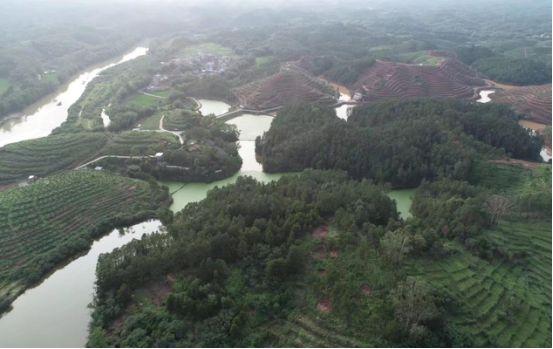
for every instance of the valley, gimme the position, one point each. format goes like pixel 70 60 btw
pixel 369 177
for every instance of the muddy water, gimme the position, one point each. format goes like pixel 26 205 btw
pixel 209 106
pixel 39 120
pixel 55 313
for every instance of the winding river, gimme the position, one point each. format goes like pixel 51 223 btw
pixel 41 119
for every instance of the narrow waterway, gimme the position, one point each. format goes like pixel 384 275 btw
pixel 250 126
pixel 56 313
pixel 39 120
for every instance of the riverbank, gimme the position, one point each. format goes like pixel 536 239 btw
pixel 56 312
pixel 40 119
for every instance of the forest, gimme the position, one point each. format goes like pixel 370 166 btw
pixel 320 259
pixel 401 143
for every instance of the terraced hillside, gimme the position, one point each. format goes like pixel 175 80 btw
pixel 48 155
pixel 43 156
pixel 447 79
pixel 54 219
pixel 532 101
pixel 501 303
pixel 291 84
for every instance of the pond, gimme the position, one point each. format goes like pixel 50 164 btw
pixel 209 106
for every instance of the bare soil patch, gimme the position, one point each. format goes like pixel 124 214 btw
pixel 325 306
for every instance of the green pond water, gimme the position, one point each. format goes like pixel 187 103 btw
pixel 251 126
pixel 403 198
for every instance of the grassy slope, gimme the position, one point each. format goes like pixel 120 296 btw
pixel 56 218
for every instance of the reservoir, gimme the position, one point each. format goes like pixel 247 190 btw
pixel 209 106
pixel 40 121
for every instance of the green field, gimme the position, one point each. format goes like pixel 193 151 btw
pixel 140 143
pixel 420 57
pixel 207 48
pixel 178 119
pixel 142 101
pixel 4 85
pixel 48 155
pixel 55 218
pixel 151 122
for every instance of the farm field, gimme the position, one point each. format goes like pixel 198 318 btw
pixel 448 78
pixel 500 303
pixel 56 218
pixel 142 101
pixel 45 156
pixel 532 101
pixel 291 84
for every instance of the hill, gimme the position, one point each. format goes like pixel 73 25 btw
pixel 63 151
pixel 448 78
pixel 401 143
pixel 292 84
pixel 532 101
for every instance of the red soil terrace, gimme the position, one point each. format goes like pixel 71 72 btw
pixel 291 84
pixel 448 79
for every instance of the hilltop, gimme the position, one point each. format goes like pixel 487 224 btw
pixel 447 78
pixel 291 84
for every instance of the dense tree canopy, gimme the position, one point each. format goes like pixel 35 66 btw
pixel 397 142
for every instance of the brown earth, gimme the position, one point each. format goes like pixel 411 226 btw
pixel 448 79
pixel 292 84
pixel 516 162
pixel 320 233
pixel 325 306
pixel 532 101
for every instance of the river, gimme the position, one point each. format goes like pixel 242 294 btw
pixel 56 313
pixel 41 119
pixel 250 126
